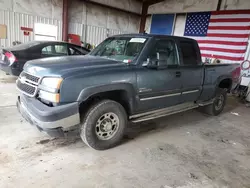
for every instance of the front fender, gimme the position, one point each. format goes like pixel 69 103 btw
pixel 86 93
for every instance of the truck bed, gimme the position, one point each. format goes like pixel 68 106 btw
pixel 213 73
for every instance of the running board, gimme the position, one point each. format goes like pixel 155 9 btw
pixel 165 111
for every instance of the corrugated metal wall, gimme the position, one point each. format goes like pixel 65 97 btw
pixel 14 21
pixel 92 34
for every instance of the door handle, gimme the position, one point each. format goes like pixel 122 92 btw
pixel 212 70
pixel 178 74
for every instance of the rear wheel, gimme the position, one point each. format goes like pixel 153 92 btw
pixel 218 104
pixel 103 125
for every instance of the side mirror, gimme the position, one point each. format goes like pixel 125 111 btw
pixel 150 64
pixel 162 60
pixel 159 63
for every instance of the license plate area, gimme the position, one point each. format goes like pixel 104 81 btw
pixel 25 114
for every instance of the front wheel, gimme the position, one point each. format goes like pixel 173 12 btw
pixel 104 125
pixel 218 104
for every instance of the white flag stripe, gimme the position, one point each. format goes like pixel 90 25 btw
pixel 229 24
pixel 220 39
pixel 221 53
pixel 233 47
pixel 229 61
pixel 223 60
pixel 228 31
pixel 229 16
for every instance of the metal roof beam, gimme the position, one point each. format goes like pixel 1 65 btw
pixel 152 2
pixel 110 7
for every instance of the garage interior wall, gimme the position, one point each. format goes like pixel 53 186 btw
pixel 181 8
pixel 22 13
pixel 185 6
pixel 103 22
pixel 92 22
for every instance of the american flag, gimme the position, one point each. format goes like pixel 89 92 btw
pixel 220 34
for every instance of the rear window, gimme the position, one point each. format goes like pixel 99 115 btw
pixel 189 53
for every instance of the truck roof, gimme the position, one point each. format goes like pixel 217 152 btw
pixel 146 35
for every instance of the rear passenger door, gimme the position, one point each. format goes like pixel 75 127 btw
pixel 191 69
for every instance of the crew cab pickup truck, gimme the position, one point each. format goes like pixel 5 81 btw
pixel 133 77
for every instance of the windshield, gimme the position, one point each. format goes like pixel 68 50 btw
pixel 124 49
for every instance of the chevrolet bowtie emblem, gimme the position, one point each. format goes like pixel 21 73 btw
pixel 23 79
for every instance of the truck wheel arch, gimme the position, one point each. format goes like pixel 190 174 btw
pixel 225 83
pixel 126 90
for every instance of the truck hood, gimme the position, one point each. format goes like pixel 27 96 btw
pixel 62 66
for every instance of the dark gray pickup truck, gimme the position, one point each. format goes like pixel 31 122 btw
pixel 135 77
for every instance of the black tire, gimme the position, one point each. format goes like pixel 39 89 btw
pixel 88 127
pixel 215 109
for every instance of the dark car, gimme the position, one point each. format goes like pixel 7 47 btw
pixel 126 78
pixel 12 59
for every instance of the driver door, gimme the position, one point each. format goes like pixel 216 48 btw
pixel 160 88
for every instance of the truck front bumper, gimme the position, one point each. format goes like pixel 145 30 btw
pixel 52 120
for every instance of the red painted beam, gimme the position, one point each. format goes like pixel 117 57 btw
pixel 144 13
pixel 65 22
pixel 219 5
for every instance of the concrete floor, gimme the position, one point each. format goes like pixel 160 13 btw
pixel 187 150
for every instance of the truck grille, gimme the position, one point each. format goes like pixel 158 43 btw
pixel 28 89
pixel 30 77
pixel 28 84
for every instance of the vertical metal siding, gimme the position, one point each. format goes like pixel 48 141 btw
pixel 7 18
pixel 95 34
pixel 15 21
pixel 21 20
pixel 78 29
pixel 92 34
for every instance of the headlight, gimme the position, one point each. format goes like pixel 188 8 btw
pixel 52 97
pixel 52 82
pixel 49 89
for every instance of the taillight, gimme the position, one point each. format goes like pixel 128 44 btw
pixel 236 74
pixel 10 57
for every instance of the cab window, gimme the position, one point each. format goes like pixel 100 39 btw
pixel 166 50
pixel 189 54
